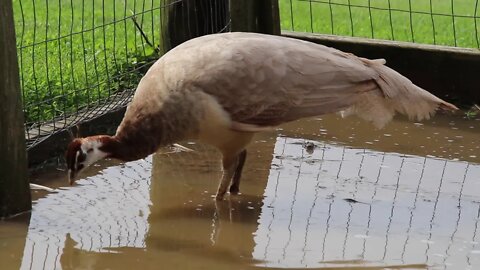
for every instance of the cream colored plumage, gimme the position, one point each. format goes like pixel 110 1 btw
pixel 222 88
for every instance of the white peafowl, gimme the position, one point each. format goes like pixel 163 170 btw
pixel 221 89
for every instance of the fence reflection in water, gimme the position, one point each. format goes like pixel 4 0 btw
pixel 321 203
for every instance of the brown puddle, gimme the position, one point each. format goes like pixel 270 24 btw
pixel 324 193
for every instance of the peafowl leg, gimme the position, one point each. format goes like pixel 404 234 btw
pixel 235 186
pixel 232 172
pixel 229 167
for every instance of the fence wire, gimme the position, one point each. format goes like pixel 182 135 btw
pixel 448 22
pixel 81 59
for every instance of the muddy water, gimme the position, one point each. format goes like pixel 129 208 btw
pixel 318 193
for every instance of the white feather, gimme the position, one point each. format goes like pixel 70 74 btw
pixel 94 155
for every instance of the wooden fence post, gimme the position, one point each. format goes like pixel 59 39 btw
pixel 187 19
pixel 183 20
pixel 261 16
pixel 14 186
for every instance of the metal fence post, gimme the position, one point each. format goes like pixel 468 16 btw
pixel 255 16
pixel 14 187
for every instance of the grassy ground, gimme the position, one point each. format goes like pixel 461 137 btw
pixel 73 53
pixel 354 18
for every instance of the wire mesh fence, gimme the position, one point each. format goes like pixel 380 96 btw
pixel 81 59
pixel 448 22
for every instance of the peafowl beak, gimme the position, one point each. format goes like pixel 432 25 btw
pixel 72 155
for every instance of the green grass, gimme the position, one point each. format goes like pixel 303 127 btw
pixel 338 18
pixel 74 54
